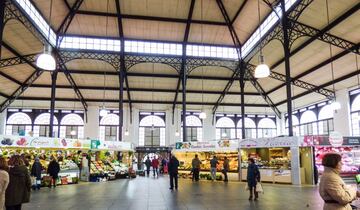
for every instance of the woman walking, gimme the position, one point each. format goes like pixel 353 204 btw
pixel 4 181
pixel 334 192
pixel 19 188
pixel 53 171
pixel 253 177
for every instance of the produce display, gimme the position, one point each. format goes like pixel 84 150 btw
pixel 350 158
pixel 185 159
pixel 276 158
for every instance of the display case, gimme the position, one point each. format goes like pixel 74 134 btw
pixel 350 159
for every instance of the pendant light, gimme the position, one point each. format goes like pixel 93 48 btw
pixel 46 61
pixel 73 132
pixel 103 111
pixel 177 133
pixel 224 134
pixel 262 70
pixel 335 105
pixel 202 113
pixel 126 132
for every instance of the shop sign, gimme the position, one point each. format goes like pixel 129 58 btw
pixel 196 145
pixel 270 142
pixel 115 145
pixel 336 139
pixel 325 141
pixel 95 144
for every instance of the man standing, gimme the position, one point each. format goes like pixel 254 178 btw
pixel 225 169
pixel 213 163
pixel 147 164
pixel 36 169
pixel 173 172
pixel 196 167
pixel 155 165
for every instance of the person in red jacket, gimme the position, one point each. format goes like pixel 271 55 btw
pixel 155 165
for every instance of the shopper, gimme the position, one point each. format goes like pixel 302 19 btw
pixel 163 164
pixel 155 165
pixel 196 168
pixel 173 172
pixel 334 192
pixel 4 181
pixel 19 188
pixel 225 169
pixel 36 174
pixel 253 176
pixel 148 165
pixel 213 164
pixel 53 171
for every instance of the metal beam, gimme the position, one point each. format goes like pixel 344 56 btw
pixel 321 32
pixel 27 83
pixel 151 18
pixel 67 20
pixel 286 45
pixel 52 102
pixel 142 89
pixel 312 69
pixel 10 78
pixel 67 4
pixel 347 76
pixel 137 101
pixel 237 43
pixel 238 11
pixel 2 23
pixel 183 72
pixel 305 30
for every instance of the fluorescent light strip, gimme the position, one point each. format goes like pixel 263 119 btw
pixel 39 21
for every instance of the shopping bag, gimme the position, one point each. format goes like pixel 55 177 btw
pixel 246 187
pixel 33 180
pixel 259 188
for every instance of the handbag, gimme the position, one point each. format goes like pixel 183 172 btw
pixel 259 188
pixel 246 187
pixel 33 180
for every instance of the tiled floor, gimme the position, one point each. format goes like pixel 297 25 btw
pixel 149 193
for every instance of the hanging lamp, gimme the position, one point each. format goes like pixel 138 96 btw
pixel 202 113
pixel 103 111
pixel 262 70
pixel 45 60
pixel 335 105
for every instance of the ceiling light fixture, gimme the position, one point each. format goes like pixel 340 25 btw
pixel 223 134
pixel 335 105
pixel 262 70
pixel 103 111
pixel 202 115
pixel 126 132
pixel 46 61
pixel 177 133
pixel 73 132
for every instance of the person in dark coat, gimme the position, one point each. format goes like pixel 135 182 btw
pixel 19 188
pixel 36 172
pixel 173 166
pixel 53 171
pixel 148 165
pixel 253 176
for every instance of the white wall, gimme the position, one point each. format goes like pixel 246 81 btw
pixel 132 127
pixel 342 122
pixel 2 122
pixel 91 127
pixel 209 129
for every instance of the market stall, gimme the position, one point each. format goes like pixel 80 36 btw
pixel 347 147
pixel 185 152
pixel 110 159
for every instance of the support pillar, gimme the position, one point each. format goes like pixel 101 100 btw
pixel 280 125
pixel 121 105
pixel 184 103
pixel 91 127
pixel 242 86
pixel 295 165
pixel 2 24
pixel 286 45
pixel 52 102
pixel 342 122
pixel 3 122
pixel 209 128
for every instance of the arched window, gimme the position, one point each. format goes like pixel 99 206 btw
pixel 355 116
pixel 152 131
pixel 266 128
pixel 326 124
pixel 296 127
pixel 308 125
pixel 42 125
pixel 250 128
pixel 109 127
pixel 72 126
pixel 18 124
pixel 225 128
pixel 193 128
